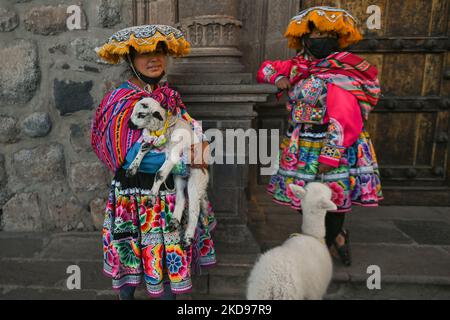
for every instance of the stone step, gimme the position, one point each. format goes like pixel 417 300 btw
pixel 45 293
pixel 226 89
pixel 87 246
pixel 35 279
pixel 217 64
pixel 38 263
pixel 211 78
pixel 367 230
pixel 34 293
pixel 412 266
pixel 428 277
pixel 211 297
pixel 338 290
pixel 389 291
pixel 49 272
pixel 410 245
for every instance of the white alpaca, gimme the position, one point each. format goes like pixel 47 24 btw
pixel 301 268
pixel 177 139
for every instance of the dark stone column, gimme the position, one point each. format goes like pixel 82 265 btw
pixel 213 30
pixel 219 94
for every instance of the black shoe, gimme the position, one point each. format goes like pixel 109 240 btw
pixel 127 293
pixel 344 251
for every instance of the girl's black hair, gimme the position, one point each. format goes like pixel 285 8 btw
pixel 312 26
pixel 133 53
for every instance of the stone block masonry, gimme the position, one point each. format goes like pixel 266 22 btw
pixel 51 81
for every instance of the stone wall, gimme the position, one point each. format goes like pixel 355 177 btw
pixel 50 83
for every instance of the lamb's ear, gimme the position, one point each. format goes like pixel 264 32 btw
pixel 298 191
pixel 131 125
pixel 328 205
pixel 157 115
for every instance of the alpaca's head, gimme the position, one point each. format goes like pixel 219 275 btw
pixel 316 201
pixel 315 196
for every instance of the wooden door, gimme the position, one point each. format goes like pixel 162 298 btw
pixel 410 126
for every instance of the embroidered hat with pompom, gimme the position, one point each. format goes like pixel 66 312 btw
pixel 144 39
pixel 325 19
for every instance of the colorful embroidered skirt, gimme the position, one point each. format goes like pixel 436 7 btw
pixel 137 243
pixel 355 181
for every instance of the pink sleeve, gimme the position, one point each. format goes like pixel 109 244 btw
pixel 271 70
pixel 345 124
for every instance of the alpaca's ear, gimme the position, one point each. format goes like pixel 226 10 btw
pixel 298 191
pixel 328 205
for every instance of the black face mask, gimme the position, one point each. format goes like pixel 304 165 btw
pixel 321 47
pixel 149 80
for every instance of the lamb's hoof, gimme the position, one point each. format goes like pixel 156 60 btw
pixel 154 192
pixel 152 198
pixel 174 224
pixel 158 176
pixel 130 173
pixel 146 147
pixel 186 243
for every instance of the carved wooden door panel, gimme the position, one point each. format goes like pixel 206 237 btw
pixel 410 126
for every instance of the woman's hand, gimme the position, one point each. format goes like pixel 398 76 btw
pixel 283 83
pixel 324 168
pixel 199 155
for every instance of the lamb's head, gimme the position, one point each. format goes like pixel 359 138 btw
pixel 149 114
pixel 314 196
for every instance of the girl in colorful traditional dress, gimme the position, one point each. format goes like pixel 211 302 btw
pixel 137 242
pixel 330 95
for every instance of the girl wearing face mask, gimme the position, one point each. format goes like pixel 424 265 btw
pixel 138 245
pixel 330 95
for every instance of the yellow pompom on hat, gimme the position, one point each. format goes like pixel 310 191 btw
pixel 325 19
pixel 144 39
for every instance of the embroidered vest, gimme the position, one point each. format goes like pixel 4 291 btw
pixel 307 101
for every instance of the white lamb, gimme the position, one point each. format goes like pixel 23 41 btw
pixel 301 268
pixel 177 139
